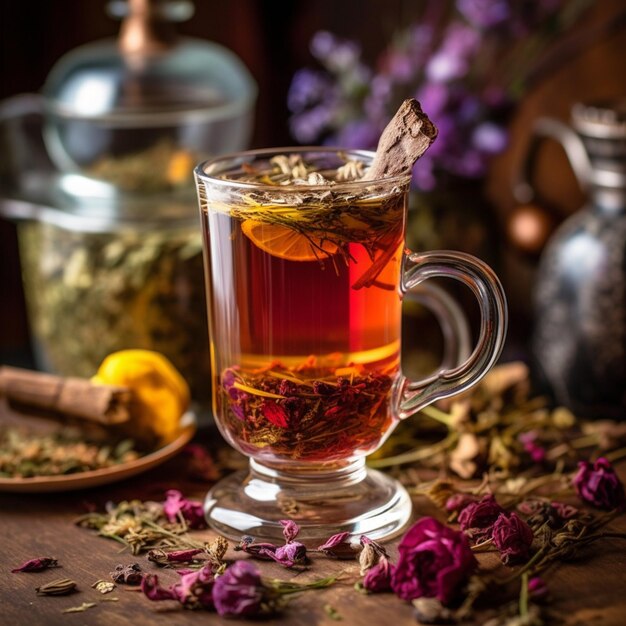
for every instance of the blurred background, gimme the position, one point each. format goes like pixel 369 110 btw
pixel 329 72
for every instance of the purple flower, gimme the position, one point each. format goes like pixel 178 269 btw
pixel 378 578
pixel 36 565
pixel 435 562
pixel 290 529
pixel 360 134
pixel 513 538
pixel 176 506
pixel 599 485
pixel 336 54
pixel 478 518
pixel 452 60
pixel 308 88
pixel 307 126
pixel 489 138
pixel 484 13
pixel 193 590
pixel 338 546
pixel 239 592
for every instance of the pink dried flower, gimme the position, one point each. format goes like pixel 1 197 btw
pixel 239 592
pixel 290 529
pixel 530 442
pixel 193 590
pixel 36 565
pixel 513 538
pixel 338 547
pixel 290 554
pixel 477 518
pixel 176 505
pixel 537 587
pixel 378 578
pixel 564 511
pixel 459 501
pixel 435 562
pixel 599 485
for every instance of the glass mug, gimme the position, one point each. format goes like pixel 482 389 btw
pixel 304 290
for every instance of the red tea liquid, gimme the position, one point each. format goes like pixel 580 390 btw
pixel 305 330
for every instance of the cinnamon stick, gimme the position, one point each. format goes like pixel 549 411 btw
pixel 76 397
pixel 404 140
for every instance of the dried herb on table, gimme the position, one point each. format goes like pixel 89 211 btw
pixel 66 451
pixel 58 587
pixel 103 586
pixel 306 413
pixel 80 609
pixel 144 526
pixel 127 574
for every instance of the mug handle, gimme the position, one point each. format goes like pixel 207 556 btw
pixel 451 319
pixel 412 396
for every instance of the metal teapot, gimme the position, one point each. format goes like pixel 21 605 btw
pixel 579 340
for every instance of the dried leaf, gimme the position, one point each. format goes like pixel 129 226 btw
pixel 80 609
pixel 463 457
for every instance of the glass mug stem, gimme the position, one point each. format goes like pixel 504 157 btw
pixel 412 396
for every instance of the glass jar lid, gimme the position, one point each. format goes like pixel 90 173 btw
pixel 149 75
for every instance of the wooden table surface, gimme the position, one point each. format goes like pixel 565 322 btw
pixel 589 591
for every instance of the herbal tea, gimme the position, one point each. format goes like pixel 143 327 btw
pixel 304 288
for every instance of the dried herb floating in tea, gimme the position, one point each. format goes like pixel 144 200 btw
pixel 308 413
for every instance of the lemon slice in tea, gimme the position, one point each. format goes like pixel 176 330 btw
pixel 286 243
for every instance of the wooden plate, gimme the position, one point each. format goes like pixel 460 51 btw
pixel 93 478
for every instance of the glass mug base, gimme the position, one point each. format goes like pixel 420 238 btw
pixel 322 502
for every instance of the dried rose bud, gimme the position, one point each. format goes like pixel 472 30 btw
pixel 290 554
pixel 260 550
pixel 36 565
pixel 378 578
pixel 290 529
pixel 338 547
pixel 537 587
pixel 161 557
pixel 513 537
pixel 477 518
pixel 599 485
pixel 127 574
pixel 370 555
